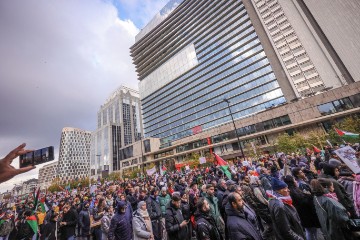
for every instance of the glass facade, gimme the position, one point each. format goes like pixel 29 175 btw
pixel 339 105
pixel 231 63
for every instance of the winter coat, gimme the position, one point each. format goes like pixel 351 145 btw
pixel 239 225
pixel 347 182
pixel 153 207
pixel 220 195
pixel 132 200
pixel 49 231
pixel 304 205
pixel 333 218
pixel 173 220
pixel 71 219
pixel 265 181
pixel 205 227
pixel 6 227
pixel 286 221
pixel 163 203
pixel 84 221
pixel 180 188
pixel 25 231
pixel 215 212
pixel 185 209
pixel 341 193
pixel 139 227
pixel 105 224
pixel 120 228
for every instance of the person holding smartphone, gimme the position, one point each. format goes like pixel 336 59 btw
pixel 176 226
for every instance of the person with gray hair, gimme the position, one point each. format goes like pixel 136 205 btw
pixel 141 222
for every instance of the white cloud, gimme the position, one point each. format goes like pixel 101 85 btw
pixel 59 61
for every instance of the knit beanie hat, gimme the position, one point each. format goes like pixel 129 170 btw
pixel 276 184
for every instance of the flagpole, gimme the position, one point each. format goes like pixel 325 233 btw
pixel 237 135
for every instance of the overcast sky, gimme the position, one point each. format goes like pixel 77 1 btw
pixel 59 61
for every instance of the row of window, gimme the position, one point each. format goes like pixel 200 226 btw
pixel 340 105
pixel 258 127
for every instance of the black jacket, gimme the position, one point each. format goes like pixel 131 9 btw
pixel 286 221
pixel 133 201
pixel 71 219
pixel 185 209
pixel 206 227
pixel 154 209
pixel 304 205
pixel 84 220
pixel 173 220
pixel 120 228
pixel 240 226
pixel 341 193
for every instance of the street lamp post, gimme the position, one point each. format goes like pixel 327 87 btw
pixel 237 135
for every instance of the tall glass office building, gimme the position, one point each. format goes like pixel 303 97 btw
pixel 191 56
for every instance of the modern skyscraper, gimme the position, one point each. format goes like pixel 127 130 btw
pixel 191 56
pixel 74 154
pixel 258 54
pixel 119 124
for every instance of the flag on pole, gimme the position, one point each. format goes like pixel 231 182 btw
pixel 329 143
pixel 36 199
pixel 345 134
pixel 44 207
pixel 32 221
pixel 163 170
pixel 223 165
pixel 151 171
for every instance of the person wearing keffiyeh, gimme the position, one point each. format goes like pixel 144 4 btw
pixel 286 221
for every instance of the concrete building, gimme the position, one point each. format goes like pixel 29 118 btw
pixel 119 125
pixel 267 57
pixel 47 174
pixel 25 187
pixel 74 154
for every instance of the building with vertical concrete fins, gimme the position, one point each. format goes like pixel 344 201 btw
pixel 74 154
pixel 284 65
pixel 119 124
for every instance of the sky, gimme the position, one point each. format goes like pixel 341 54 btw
pixel 59 61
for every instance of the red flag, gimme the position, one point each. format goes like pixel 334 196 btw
pixel 316 150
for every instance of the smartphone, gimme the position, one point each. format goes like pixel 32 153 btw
pixel 36 157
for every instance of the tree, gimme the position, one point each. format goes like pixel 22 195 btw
pixel 286 144
pixel 317 139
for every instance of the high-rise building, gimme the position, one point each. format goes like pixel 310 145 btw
pixel 74 154
pixel 277 62
pixel 47 174
pixel 308 58
pixel 119 124
pixel 191 56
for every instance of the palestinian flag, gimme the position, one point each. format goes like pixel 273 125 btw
pixel 345 134
pixel 223 165
pixel 36 199
pixel 32 221
pixel 44 207
pixel 163 170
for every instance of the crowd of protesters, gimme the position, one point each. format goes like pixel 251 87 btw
pixel 311 196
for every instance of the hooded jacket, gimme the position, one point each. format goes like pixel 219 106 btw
pixel 239 225
pixel 120 227
pixel 139 227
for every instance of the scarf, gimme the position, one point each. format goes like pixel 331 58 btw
pixel 285 199
pixel 146 218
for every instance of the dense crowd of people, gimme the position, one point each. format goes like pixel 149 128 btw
pixel 312 196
